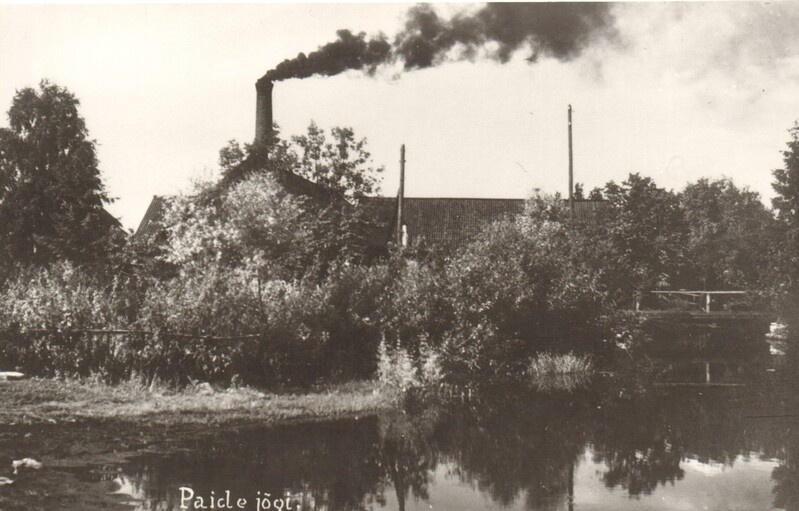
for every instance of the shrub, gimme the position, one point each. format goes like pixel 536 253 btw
pixel 397 369
pixel 518 289
pixel 211 300
pixel 413 308
pixel 63 296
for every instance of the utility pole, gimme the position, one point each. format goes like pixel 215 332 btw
pixel 571 169
pixel 400 197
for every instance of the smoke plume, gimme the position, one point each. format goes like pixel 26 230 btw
pixel 495 31
pixel 349 51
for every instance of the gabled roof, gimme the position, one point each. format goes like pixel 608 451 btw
pixel 453 220
pixel 152 222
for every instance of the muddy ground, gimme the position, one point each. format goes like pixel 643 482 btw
pixel 82 432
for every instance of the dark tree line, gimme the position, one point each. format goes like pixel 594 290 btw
pixel 712 235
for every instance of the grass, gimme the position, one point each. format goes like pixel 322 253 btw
pixel 56 401
pixel 77 427
pixel 550 372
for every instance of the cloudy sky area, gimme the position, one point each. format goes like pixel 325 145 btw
pixel 674 91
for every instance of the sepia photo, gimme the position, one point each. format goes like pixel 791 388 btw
pixel 374 256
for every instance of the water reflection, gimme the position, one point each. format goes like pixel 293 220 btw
pixel 615 445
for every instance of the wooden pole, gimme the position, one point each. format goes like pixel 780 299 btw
pixel 401 197
pixel 571 169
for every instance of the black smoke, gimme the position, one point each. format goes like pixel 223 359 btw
pixel 495 31
pixel 349 51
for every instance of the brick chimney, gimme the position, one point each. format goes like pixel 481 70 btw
pixel 263 110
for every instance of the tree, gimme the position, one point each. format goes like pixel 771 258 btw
pixel 729 232
pixel 51 193
pixel 343 165
pixel 596 193
pixel 786 204
pixel 786 183
pixel 579 192
pixel 640 237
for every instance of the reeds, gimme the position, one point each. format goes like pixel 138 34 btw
pixel 550 372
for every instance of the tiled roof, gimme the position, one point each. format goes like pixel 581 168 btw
pixel 587 210
pixel 383 213
pixel 453 220
pixel 151 224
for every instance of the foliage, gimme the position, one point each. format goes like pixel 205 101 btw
pixel 646 230
pixel 712 235
pixel 64 296
pixel 218 301
pixel 255 225
pixel 400 370
pixel 518 289
pixel 51 193
pixel 305 332
pixel 260 217
pixel 414 308
pixel 786 182
pixel 729 234
pixel 786 205
pixel 395 368
pixel 270 276
pixel 343 165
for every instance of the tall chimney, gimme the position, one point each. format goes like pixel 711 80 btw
pixel 263 110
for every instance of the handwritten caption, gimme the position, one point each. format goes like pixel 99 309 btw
pixel 262 501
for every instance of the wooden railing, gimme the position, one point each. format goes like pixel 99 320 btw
pixel 706 295
pixel 699 294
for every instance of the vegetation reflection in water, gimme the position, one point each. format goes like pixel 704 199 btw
pixel 613 445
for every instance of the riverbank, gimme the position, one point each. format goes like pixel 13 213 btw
pixel 82 432
pixel 49 401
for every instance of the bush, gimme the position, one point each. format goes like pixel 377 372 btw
pixel 212 301
pixel 413 309
pixel 63 296
pixel 397 369
pixel 519 288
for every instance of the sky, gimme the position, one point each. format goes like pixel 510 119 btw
pixel 674 91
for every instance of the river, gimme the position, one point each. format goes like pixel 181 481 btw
pixel 695 434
